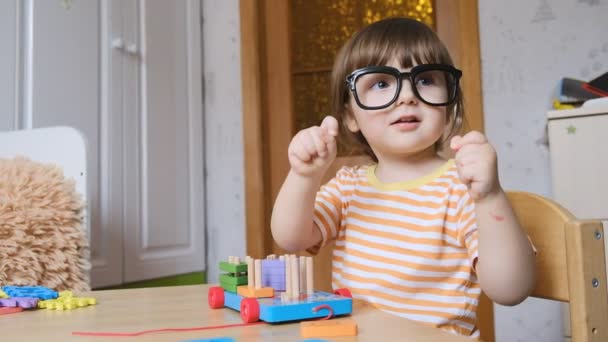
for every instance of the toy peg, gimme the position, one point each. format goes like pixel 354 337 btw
pixel 250 274
pixel 258 273
pixel 295 277
pixel 287 277
pixel 302 262
pixel 237 260
pixel 310 278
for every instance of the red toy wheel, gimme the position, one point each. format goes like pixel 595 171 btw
pixel 250 310
pixel 343 293
pixel 216 297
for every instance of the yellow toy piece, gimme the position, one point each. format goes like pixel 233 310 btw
pixel 66 301
pixel 3 294
pixel 559 105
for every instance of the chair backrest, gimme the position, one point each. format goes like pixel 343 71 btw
pixel 571 264
pixel 61 145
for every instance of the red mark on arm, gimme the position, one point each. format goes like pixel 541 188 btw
pixel 497 217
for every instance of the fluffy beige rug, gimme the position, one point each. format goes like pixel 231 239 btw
pixel 42 238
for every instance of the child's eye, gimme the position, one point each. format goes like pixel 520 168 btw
pixel 381 85
pixel 424 81
pixel 433 78
pixel 375 82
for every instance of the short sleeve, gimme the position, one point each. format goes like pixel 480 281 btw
pixel 468 233
pixel 329 203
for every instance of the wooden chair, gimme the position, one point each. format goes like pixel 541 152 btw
pixel 571 265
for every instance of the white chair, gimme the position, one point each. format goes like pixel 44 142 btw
pixel 62 145
pixel 64 148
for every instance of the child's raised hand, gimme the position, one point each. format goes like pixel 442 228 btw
pixel 476 164
pixel 313 149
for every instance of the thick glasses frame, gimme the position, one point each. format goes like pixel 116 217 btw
pixel 351 80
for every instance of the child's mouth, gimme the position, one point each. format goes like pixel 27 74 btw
pixel 406 123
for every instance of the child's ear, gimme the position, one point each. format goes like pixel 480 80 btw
pixel 349 120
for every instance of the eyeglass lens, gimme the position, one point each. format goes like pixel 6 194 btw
pixel 379 89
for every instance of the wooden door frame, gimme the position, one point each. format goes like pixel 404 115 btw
pixel 267 120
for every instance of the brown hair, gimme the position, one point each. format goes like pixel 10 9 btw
pixel 410 42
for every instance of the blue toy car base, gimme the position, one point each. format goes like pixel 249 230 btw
pixel 273 310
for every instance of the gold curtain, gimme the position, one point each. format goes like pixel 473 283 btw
pixel 319 29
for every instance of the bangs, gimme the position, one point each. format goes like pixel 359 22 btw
pixel 379 44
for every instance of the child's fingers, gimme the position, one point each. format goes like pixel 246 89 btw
pixel 299 164
pixel 319 137
pixel 331 125
pixel 332 147
pixel 465 173
pixel 300 152
pixel 472 137
pixel 308 143
pixel 466 155
pixel 455 142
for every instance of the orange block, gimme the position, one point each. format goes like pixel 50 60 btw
pixel 328 328
pixel 252 292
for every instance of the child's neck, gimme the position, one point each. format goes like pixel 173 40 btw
pixel 402 169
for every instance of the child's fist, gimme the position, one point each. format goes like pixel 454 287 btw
pixel 313 149
pixel 476 164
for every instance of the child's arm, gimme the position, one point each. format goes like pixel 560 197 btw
pixel 310 153
pixel 506 268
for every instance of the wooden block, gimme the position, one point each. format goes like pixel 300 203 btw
pixel 233 268
pixel 328 328
pixel 251 292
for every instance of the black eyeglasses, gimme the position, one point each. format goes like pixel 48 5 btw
pixel 377 87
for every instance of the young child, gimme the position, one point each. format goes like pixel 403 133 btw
pixel 416 235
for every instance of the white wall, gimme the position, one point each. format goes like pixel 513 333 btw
pixel 223 133
pixel 526 48
pixel 8 64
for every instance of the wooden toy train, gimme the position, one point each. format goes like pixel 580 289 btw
pixel 275 290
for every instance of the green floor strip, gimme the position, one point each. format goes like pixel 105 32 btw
pixel 182 279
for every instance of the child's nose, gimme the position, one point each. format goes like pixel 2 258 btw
pixel 406 94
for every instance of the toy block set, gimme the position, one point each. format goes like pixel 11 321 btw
pixel 279 289
pixel 17 298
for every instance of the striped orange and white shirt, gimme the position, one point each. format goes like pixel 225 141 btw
pixel 407 248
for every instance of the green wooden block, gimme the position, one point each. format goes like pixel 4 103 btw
pixel 232 268
pixel 233 280
pixel 228 287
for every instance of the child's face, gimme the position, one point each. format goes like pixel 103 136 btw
pixel 407 127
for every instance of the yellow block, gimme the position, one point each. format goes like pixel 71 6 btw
pixel 66 301
pixel 328 328
pixel 252 292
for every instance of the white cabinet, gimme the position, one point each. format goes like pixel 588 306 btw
pixel 579 166
pixel 127 74
pixel 579 162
